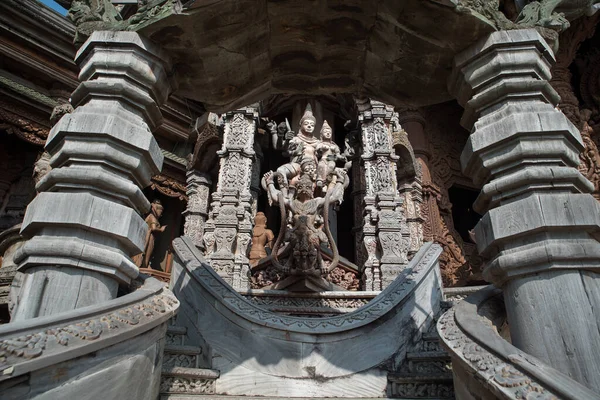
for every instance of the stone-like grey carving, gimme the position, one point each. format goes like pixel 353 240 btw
pixel 228 230
pixel 86 218
pixel 540 228
pixel 187 385
pixel 265 352
pixel 196 213
pixel 90 339
pixel 485 364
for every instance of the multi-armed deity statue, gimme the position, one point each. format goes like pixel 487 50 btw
pixel 304 189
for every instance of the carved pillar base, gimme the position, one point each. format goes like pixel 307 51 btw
pixel 539 232
pixel 85 223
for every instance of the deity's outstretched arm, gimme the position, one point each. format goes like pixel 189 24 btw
pixel 268 185
pixel 280 135
pixel 342 182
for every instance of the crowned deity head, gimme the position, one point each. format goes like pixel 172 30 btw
pixel 326 132
pixel 308 121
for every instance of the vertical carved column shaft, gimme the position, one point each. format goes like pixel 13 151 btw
pixel 384 219
pixel 233 201
pixel 410 175
pixel 198 191
pixel 85 223
pixel 358 194
pixel 539 232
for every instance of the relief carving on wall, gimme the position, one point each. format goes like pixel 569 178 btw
pixel 26 128
pixel 459 262
pixel 585 115
pixel 169 187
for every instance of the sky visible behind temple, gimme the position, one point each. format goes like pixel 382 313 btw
pixel 53 5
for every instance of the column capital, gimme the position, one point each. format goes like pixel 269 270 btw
pixel 502 68
pixel 107 57
pixel 407 115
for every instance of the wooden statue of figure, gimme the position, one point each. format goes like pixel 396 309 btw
pixel 156 210
pixel 261 237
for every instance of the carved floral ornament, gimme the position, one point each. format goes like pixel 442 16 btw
pixel 61 340
pixel 169 187
pixel 25 129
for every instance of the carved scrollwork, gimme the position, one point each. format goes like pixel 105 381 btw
pixel 169 187
pixel 487 366
pixel 34 345
pixel 24 128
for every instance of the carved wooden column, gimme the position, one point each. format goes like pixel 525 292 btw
pixel 228 231
pixel 541 224
pixel 358 195
pixel 384 220
pixel 85 222
pixel 255 180
pixel 196 213
pixel 409 177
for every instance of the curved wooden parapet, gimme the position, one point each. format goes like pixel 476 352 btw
pixel 486 366
pixel 94 352
pixel 260 352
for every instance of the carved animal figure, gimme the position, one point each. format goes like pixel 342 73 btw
pixel 556 14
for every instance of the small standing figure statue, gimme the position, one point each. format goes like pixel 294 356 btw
pixel 156 210
pixel 261 237
pixel 328 154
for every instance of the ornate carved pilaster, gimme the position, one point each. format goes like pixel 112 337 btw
pixel 255 180
pixel 383 210
pixel 540 228
pixel 409 176
pixel 196 213
pixel 228 231
pixel 358 195
pixel 85 222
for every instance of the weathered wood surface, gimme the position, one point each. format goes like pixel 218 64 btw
pixel 232 53
pixel 259 352
pixel 92 352
pixel 486 366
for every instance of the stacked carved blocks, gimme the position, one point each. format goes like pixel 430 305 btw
pixel 85 223
pixel 181 374
pixel 541 224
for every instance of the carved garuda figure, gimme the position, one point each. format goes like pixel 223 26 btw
pixel 308 224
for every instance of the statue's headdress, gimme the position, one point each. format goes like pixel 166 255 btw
pixel 325 126
pixel 308 115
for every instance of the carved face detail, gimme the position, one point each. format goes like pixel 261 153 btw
pixel 157 209
pixel 308 126
pixel 326 133
pixel 260 219
pixel 304 187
